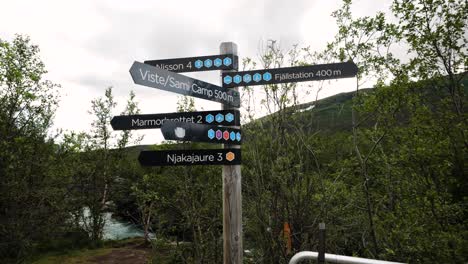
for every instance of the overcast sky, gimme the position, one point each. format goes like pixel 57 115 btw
pixel 89 45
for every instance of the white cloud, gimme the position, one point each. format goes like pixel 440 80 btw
pixel 89 45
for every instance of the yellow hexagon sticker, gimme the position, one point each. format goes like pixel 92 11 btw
pixel 230 156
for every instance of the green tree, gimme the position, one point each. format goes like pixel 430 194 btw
pixel 102 158
pixel 419 120
pixel 31 193
pixel 285 177
pixel 102 175
pixel 146 193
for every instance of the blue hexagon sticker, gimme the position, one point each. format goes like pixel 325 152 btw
pixel 198 64
pixel 229 117
pixel 218 62
pixel 267 76
pixel 227 61
pixel 257 77
pixel 237 79
pixel 238 136
pixel 219 118
pixel 209 118
pixel 208 63
pixel 227 79
pixel 211 134
pixel 232 135
pixel 247 78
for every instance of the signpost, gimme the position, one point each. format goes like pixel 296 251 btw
pixel 222 126
pixel 202 63
pixel 290 74
pixel 183 131
pixel 147 75
pixel 190 157
pixel 220 117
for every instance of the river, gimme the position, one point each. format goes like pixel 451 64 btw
pixel 116 229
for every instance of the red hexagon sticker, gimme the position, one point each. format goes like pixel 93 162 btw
pixel 226 135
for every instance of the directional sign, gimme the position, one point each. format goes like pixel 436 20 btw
pixel 220 117
pixel 192 64
pixel 201 133
pixel 190 157
pixel 290 74
pixel 151 76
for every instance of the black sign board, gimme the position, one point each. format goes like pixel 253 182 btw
pixel 147 75
pixel 290 74
pixel 220 117
pixel 201 133
pixel 190 157
pixel 202 63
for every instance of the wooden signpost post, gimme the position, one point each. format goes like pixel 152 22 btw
pixel 232 191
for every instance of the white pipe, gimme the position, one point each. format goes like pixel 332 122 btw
pixel 336 259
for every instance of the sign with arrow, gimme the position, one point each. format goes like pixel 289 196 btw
pixel 190 157
pixel 290 74
pixel 200 133
pixel 147 75
pixel 192 64
pixel 220 117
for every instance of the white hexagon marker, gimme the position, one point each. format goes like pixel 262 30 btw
pixel 179 132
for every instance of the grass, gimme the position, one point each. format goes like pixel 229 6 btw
pixel 83 255
pixel 72 257
pixel 161 252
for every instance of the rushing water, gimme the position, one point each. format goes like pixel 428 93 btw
pixel 115 229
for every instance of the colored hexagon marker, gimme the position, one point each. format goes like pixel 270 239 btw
pixel 229 117
pixel 257 77
pixel 198 64
pixel 226 135
pixel 227 61
pixel 219 118
pixel 219 134
pixel 247 78
pixel 237 79
pixel 227 79
pixel 267 76
pixel 209 118
pixel 230 156
pixel 218 62
pixel 211 134
pixel 232 135
pixel 208 63
pixel 238 136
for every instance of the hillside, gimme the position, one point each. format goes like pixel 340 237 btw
pixel 330 114
pixel 333 114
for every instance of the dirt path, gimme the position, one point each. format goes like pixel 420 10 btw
pixel 123 256
pixel 135 252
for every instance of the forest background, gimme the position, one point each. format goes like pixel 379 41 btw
pixel 384 168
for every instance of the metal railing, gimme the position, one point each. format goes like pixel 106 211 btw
pixel 336 259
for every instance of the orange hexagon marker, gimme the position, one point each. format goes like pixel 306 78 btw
pixel 230 156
